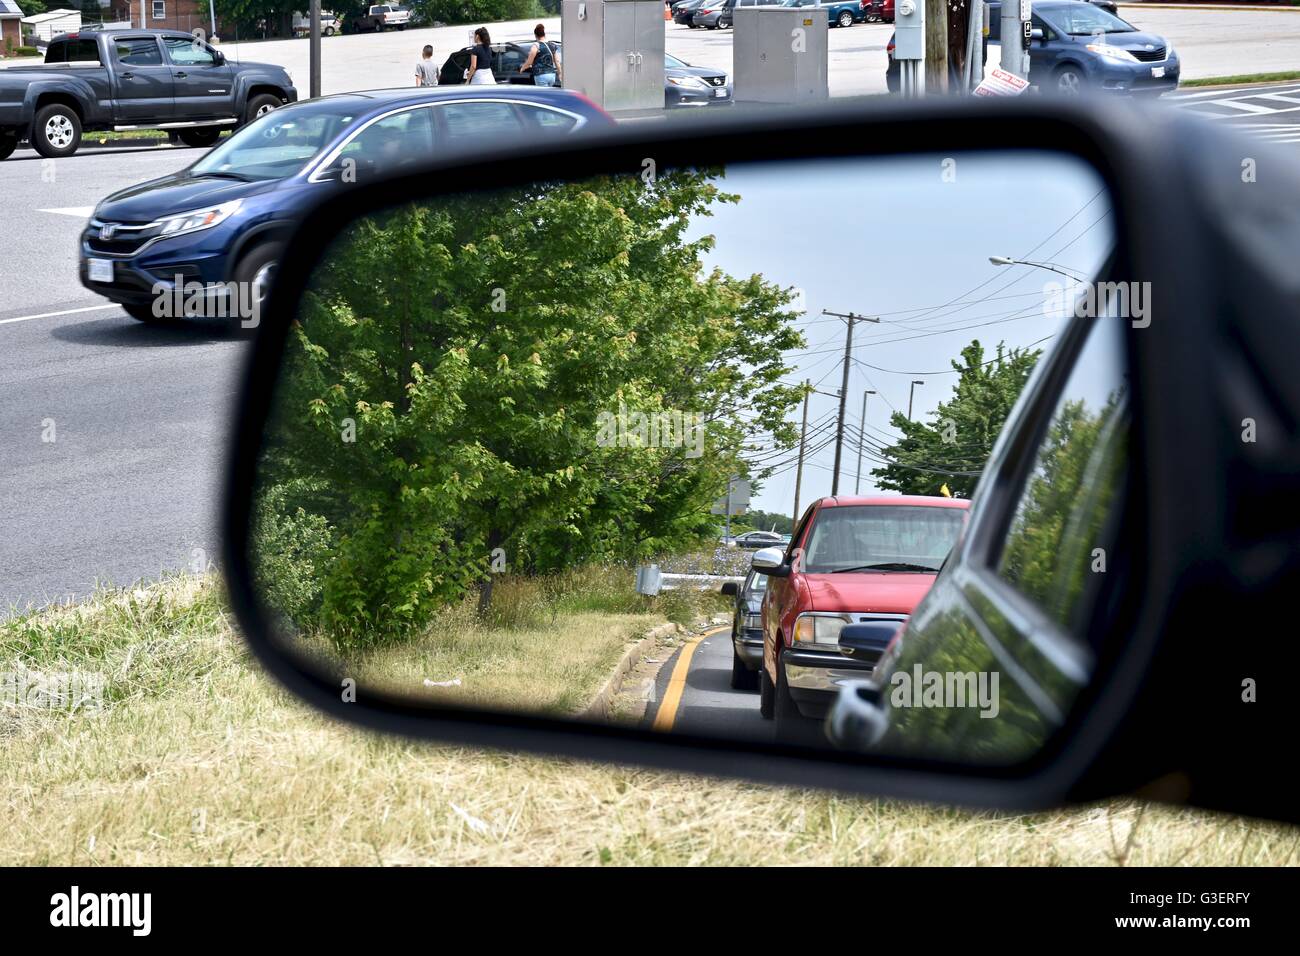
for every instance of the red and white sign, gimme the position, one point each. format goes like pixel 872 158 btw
pixel 1000 83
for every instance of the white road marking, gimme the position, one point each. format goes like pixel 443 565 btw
pixel 50 315
pixel 82 212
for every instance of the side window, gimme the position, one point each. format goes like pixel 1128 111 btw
pixel 508 60
pixel 393 143
pixel 82 51
pixel 798 533
pixel 185 52
pixel 57 52
pixel 473 120
pixel 549 120
pixel 138 51
pixel 1058 543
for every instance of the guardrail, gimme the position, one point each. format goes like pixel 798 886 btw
pixel 650 580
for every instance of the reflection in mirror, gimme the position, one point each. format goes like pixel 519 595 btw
pixel 519 438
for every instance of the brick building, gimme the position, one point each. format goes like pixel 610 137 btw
pixel 164 14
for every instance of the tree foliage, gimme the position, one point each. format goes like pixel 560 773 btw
pixel 474 345
pixel 951 448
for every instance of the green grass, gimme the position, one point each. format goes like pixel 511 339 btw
pixel 197 758
pixel 1242 78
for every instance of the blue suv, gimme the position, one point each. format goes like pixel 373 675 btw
pixel 217 229
pixel 1078 47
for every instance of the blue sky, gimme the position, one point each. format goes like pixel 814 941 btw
pixel 900 239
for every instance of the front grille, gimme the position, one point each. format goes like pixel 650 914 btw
pixel 716 80
pixel 1149 56
pixel 127 237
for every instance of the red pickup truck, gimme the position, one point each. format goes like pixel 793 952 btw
pixel 857 563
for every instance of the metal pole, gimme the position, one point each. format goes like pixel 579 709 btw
pixel 1015 58
pixel 212 16
pixel 862 438
pixel 313 52
pixel 910 392
pixel 803 439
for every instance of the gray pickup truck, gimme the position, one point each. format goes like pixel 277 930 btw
pixel 133 79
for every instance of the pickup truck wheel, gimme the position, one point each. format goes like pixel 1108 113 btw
pixel 202 137
pixel 260 105
pixel 8 143
pixel 56 131
pixel 846 19
pixel 742 678
pixel 793 727
pixel 766 694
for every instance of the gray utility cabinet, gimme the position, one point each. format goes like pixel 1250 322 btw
pixel 780 54
pixel 614 52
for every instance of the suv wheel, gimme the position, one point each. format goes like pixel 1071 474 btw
pixel 793 727
pixel 846 19
pixel 1069 81
pixel 56 131
pixel 742 678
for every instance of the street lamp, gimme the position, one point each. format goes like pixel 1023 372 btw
pixel 910 392
pixel 862 438
pixel 1007 261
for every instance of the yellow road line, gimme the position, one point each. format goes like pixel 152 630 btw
pixel 667 712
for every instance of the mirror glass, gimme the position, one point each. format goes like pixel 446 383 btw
pixel 522 438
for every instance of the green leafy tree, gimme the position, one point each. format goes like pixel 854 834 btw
pixel 476 348
pixel 951 448
pixel 767 521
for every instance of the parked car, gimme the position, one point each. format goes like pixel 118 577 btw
pixel 329 24
pixel 841 13
pixel 684 12
pixel 507 58
pixel 380 17
pixel 746 629
pixel 1079 46
pixel 758 539
pixel 686 85
pixel 851 561
pixel 133 79
pixel 224 218
pixel 878 11
pixel 722 12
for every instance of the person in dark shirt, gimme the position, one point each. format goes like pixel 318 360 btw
pixel 480 59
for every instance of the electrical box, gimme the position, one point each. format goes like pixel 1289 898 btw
pixel 614 52
pixel 909 30
pixel 779 54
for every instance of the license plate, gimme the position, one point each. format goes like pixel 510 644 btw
pixel 1157 71
pixel 100 270
pixel 720 92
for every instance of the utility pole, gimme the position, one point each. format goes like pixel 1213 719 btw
pixel 850 317
pixel 803 439
pixel 936 46
pixel 862 437
pixel 910 392
pixel 313 51
pixel 1016 16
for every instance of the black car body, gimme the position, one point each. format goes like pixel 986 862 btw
pixel 507 59
pixel 747 630
pixel 684 12
pixel 133 79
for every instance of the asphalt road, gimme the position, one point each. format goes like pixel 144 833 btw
pixel 706 704
pixel 1270 113
pixel 128 487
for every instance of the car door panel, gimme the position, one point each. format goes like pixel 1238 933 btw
pixel 144 82
pixel 202 89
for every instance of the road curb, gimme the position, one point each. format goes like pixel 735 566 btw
pixel 598 708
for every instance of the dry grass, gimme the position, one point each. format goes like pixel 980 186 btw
pixel 196 758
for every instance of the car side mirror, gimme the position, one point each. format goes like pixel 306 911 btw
pixel 1037 34
pixel 730 588
pixel 770 561
pixel 218 58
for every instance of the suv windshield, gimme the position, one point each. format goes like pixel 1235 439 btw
pixel 881 537
pixel 1085 20
pixel 279 144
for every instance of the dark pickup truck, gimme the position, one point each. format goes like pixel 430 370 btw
pixel 133 79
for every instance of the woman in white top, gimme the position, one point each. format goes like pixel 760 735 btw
pixel 480 59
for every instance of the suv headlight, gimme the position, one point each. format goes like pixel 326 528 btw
pixel 1112 52
pixel 819 629
pixel 199 219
